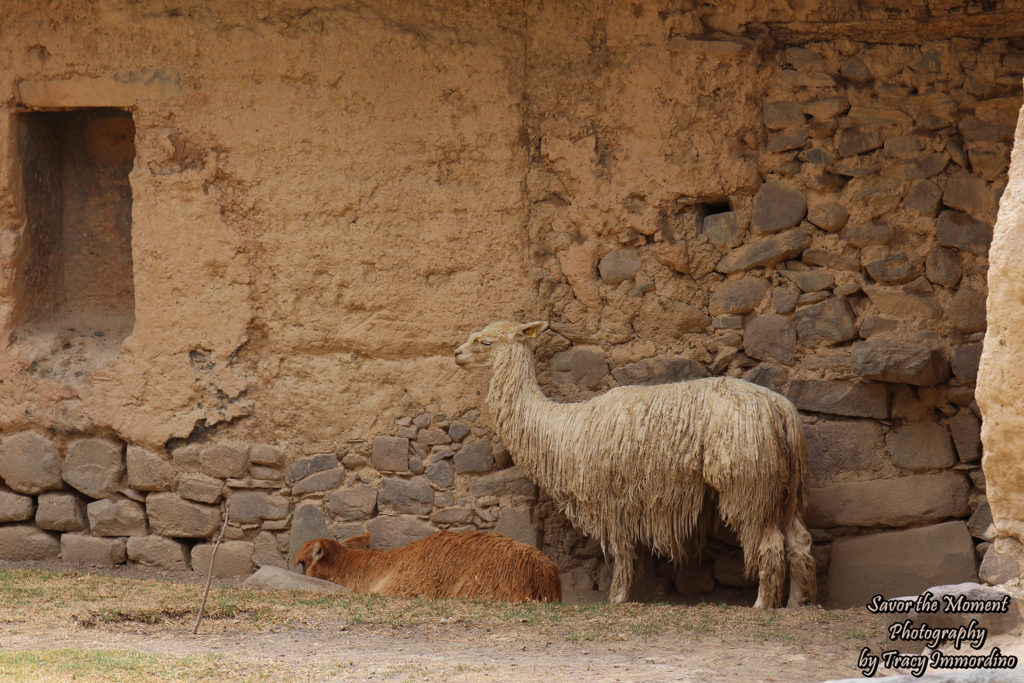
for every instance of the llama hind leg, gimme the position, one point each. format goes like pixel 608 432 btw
pixel 802 569
pixel 770 553
pixel 623 570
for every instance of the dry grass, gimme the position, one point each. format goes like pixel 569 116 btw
pixel 77 604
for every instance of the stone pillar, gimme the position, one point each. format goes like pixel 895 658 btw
pixel 1000 391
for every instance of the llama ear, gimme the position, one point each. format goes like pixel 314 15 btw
pixel 531 330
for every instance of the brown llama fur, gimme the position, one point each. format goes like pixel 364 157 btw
pixel 470 564
pixel 638 465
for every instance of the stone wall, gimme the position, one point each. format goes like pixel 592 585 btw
pixel 800 197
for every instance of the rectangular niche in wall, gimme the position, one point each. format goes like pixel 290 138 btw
pixel 75 275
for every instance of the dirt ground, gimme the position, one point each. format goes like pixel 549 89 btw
pixel 302 636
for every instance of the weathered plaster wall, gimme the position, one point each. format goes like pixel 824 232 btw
pixel 315 195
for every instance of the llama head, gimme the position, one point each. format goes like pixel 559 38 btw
pixel 311 553
pixel 479 350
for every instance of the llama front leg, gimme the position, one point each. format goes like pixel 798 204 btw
pixel 623 570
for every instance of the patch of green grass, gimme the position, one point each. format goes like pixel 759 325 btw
pixel 113 665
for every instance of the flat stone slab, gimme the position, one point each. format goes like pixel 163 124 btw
pixel 276 578
pixel 898 563
pixel 914 499
pixel 956 603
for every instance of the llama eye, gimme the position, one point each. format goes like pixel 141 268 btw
pixel 486 343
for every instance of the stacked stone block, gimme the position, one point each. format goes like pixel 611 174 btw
pixel 850 276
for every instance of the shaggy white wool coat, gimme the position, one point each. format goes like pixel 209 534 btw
pixel 635 465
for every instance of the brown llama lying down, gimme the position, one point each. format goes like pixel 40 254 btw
pixel 470 564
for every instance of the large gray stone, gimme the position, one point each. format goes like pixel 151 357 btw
pixel 896 563
pixel 267 552
pixel 853 141
pixel 319 481
pixel 392 532
pixel 26 542
pixel 660 370
pixel 980 524
pixel 234 558
pixel 966 311
pixel 770 338
pixel 508 482
pixel 94 466
pixel 29 463
pixel 914 499
pixel 307 524
pixel 768 376
pixel 836 397
pixel 516 522
pixel 826 323
pixel 266 454
pixel 15 507
pixel 830 217
pixel 867 234
pixel 452 515
pixel 405 496
pixel 899 304
pixel 906 363
pixel 776 207
pixel 892 270
pixel 835 447
pixel 766 251
pixel 966 432
pixel 390 454
pixel 432 437
pixel 787 140
pixel 853 69
pixel 619 265
pixel 813 280
pixel 723 230
pixel 357 502
pixel 1001 565
pixel 583 367
pixel 970 194
pixel 942 266
pixel 441 473
pixel 966 359
pixel 116 516
pixel 737 296
pixel 779 114
pixel 924 197
pixel 225 460
pixel 61 511
pixel 923 166
pixel 172 515
pixel 148 471
pixel 971 592
pixel 92 551
pixel 157 551
pixel 304 467
pixel 250 507
pixel 200 488
pixel 475 457
pixel 956 229
pixel 276 578
pixel 920 446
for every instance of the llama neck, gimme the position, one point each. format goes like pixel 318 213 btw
pixel 517 404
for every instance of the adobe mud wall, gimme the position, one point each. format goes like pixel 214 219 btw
pixel 326 201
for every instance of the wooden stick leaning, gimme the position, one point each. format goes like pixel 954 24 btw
pixel 209 574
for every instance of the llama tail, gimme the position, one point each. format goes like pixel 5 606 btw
pixel 802 569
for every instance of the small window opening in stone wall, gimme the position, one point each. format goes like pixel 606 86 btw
pixel 74 283
pixel 711 208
